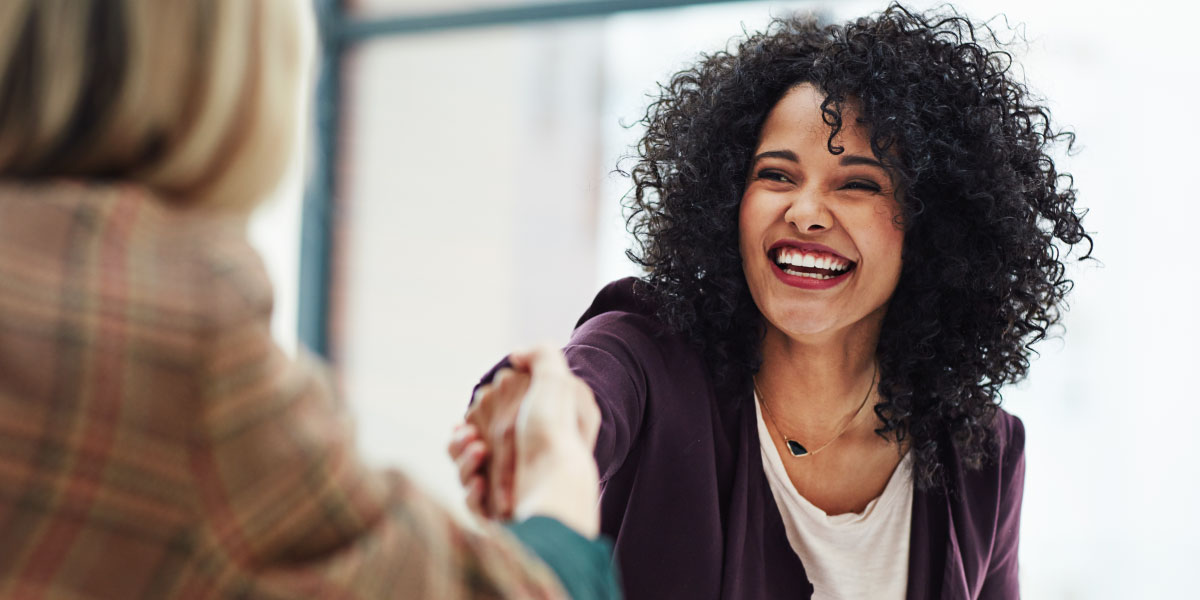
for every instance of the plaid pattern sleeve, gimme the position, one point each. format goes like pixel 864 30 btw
pixel 156 443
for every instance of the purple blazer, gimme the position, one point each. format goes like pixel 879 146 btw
pixel 688 506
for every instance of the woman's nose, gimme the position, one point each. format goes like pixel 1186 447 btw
pixel 809 211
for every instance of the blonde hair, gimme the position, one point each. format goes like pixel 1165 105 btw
pixel 196 99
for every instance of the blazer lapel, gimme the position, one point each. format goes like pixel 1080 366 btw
pixel 954 576
pixel 928 548
pixel 777 570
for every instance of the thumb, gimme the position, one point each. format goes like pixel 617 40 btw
pixel 543 358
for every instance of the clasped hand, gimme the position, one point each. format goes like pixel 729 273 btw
pixel 525 448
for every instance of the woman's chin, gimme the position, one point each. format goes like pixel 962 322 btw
pixel 811 324
pixel 806 328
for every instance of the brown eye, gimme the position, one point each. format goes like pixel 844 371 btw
pixel 862 185
pixel 772 175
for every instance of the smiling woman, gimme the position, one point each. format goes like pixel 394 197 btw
pixel 830 217
pixel 805 208
pixel 157 443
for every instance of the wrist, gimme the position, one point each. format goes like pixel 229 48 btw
pixel 560 482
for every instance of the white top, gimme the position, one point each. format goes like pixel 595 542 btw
pixel 854 555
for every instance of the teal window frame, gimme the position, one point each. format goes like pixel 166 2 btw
pixel 340 31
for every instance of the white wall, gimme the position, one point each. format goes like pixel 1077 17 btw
pixel 470 169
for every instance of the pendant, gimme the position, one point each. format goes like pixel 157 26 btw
pixel 796 448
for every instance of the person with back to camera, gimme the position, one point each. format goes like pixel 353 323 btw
pixel 851 236
pixel 156 443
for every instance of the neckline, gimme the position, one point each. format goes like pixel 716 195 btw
pixel 777 477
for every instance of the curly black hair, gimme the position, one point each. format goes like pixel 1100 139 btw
pixel 986 214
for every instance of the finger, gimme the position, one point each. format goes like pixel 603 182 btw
pixel 541 358
pixel 501 472
pixel 464 433
pixel 503 377
pixel 480 392
pixel 510 499
pixel 470 462
pixel 477 413
pixel 511 391
pixel 475 496
pixel 519 359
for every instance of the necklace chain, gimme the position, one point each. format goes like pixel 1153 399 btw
pixel 796 448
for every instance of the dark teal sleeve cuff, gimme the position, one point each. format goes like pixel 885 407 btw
pixel 584 566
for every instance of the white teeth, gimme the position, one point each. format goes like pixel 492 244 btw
pixel 795 258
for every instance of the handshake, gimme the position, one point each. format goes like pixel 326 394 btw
pixel 525 448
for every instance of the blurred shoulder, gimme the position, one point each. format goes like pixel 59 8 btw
pixel 125 245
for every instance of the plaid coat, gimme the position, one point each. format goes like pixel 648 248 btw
pixel 156 443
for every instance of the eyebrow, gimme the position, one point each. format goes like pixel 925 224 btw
pixel 858 159
pixel 847 160
pixel 784 154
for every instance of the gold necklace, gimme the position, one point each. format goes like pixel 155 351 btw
pixel 796 448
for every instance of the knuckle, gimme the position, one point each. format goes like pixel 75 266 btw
pixel 481 392
pixel 502 377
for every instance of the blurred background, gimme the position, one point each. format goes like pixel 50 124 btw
pixel 458 199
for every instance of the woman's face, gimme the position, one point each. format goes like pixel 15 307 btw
pixel 819 240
